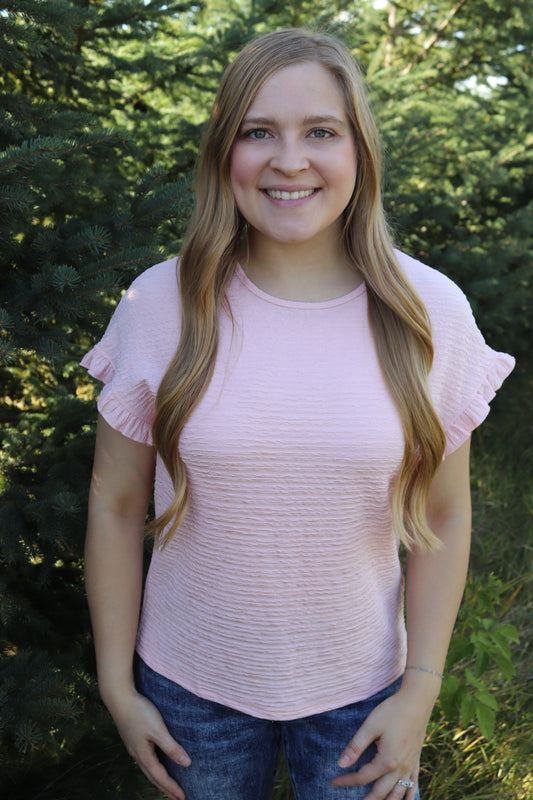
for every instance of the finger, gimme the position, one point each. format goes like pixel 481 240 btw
pixel 158 734
pixel 174 750
pixel 350 779
pixel 358 744
pixel 386 788
pixel 156 773
pixel 383 772
pixel 390 787
pixel 400 791
pixel 411 793
pixel 379 767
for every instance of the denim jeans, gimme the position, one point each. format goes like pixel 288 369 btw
pixel 234 754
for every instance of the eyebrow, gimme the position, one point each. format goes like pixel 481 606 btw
pixel 316 119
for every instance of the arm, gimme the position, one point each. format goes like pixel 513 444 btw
pixel 434 588
pixel 120 492
pixel 435 581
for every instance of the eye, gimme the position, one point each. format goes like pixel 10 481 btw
pixel 321 133
pixel 257 133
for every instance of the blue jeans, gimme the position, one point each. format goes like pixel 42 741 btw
pixel 234 754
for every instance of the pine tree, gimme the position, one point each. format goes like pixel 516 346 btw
pixel 451 83
pixel 76 225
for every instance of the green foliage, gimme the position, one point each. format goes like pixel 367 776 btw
pixel 452 92
pixel 479 638
pixel 76 225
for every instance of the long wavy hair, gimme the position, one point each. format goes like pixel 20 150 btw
pixel 398 318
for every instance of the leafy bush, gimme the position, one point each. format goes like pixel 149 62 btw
pixel 480 643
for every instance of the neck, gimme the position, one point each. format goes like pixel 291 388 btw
pixel 303 271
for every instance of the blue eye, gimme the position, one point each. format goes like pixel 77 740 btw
pixel 321 133
pixel 257 133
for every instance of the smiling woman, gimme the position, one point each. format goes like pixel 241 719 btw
pixel 292 171
pixel 303 395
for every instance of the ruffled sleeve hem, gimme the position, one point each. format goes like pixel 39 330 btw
pixel 123 420
pixel 99 365
pixel 477 410
pixel 111 407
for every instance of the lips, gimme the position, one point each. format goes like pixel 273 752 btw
pixel 283 194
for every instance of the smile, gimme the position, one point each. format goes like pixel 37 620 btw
pixel 278 194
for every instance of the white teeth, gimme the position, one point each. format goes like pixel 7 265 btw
pixel 277 194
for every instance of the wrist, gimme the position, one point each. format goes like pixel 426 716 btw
pixel 114 689
pixel 426 669
pixel 425 686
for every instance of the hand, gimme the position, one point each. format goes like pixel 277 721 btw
pixel 141 728
pixel 398 727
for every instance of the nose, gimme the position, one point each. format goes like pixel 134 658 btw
pixel 289 157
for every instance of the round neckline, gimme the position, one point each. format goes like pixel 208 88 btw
pixel 305 304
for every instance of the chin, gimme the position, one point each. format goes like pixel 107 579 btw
pixel 293 238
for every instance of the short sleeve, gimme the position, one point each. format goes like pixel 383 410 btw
pixel 475 388
pixel 466 372
pixel 132 356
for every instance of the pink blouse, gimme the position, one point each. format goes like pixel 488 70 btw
pixel 282 593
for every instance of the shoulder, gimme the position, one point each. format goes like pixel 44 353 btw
pixel 466 372
pixel 151 305
pixel 158 284
pixel 445 302
pixel 147 319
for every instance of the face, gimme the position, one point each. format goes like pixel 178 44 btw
pixel 293 163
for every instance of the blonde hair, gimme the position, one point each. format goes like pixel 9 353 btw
pixel 398 318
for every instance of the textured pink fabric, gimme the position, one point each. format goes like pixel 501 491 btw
pixel 282 593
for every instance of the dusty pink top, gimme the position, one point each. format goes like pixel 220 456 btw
pixel 282 593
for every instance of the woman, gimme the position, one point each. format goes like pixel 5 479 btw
pixel 296 435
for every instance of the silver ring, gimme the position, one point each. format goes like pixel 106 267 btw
pixel 406 784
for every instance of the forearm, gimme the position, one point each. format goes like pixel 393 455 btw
pixel 435 581
pixel 113 575
pixel 434 588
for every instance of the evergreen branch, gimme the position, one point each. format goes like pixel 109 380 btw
pixel 140 257
pixel 63 16
pixel 93 238
pixel 434 38
pixel 150 180
pixel 123 12
pixel 54 147
pixel 6 322
pixel 15 198
pixel 20 111
pixel 166 205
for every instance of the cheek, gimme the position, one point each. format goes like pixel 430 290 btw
pixel 347 171
pixel 241 170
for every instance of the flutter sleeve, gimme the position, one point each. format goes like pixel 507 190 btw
pixel 466 372
pixel 132 356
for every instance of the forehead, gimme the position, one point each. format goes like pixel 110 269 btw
pixel 308 87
